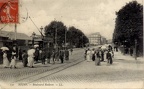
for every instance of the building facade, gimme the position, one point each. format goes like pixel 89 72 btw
pixel 96 39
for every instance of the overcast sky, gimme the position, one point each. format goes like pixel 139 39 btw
pixel 88 15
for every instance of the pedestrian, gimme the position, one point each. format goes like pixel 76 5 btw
pixel 31 56
pixel 131 50
pixel 13 58
pixel 20 54
pixel 1 56
pixel 53 56
pixel 93 54
pixel 66 55
pixel 88 55
pixel 97 58
pixel 102 55
pixel 43 57
pixel 36 55
pixel 110 47
pixel 71 51
pixel 85 53
pixel 57 55
pixel 5 59
pixel 62 56
pixel 25 58
pixel 109 57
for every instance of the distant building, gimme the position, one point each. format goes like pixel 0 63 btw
pixel 94 39
pixel 109 41
pixel 103 40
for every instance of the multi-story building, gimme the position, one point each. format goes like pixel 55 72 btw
pixel 94 39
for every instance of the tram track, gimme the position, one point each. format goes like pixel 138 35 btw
pixel 48 72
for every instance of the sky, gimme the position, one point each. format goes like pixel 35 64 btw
pixel 89 16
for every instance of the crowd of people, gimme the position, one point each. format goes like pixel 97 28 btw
pixel 98 55
pixel 33 56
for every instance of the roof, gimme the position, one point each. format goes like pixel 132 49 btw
pixel 11 35
pixel 97 33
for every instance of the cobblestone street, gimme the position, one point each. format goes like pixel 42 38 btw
pixel 78 73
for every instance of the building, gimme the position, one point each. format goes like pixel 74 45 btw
pixel 103 40
pixel 94 39
pixel 7 38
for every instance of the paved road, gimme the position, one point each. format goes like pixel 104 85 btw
pixel 124 73
pixel 21 73
pixel 78 73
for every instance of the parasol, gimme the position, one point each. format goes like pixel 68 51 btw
pixel 104 47
pixel 35 46
pixel 4 48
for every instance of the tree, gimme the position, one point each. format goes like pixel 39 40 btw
pixel 76 37
pixel 129 24
pixel 56 30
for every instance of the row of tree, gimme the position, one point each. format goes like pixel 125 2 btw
pixel 61 34
pixel 129 25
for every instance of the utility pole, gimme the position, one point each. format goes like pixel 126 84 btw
pixel 135 49
pixel 82 40
pixel 65 38
pixel 15 32
pixel 42 37
pixel 33 35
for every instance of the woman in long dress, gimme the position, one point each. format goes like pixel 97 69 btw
pixel 97 58
pixel 88 55
pixel 5 60
pixel 31 57
pixel 13 59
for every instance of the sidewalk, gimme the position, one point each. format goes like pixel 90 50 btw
pixel 126 56
pixel 128 62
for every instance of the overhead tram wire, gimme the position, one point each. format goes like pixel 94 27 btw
pixel 36 26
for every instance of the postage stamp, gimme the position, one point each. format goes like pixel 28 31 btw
pixel 9 11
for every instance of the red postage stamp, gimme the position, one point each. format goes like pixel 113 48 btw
pixel 9 11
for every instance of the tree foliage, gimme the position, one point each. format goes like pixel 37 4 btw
pixel 129 24
pixel 74 36
pixel 56 30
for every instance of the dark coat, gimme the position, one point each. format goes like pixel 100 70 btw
pixel 25 59
pixel 109 57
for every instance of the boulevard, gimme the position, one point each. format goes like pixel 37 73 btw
pixel 78 73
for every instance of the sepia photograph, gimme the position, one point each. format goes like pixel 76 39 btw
pixel 71 44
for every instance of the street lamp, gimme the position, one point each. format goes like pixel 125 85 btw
pixel 33 35
pixel 41 29
pixel 42 36
pixel 65 38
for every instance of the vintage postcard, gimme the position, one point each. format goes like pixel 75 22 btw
pixel 65 44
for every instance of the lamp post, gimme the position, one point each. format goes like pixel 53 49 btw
pixel 33 35
pixel 82 41
pixel 42 37
pixel 55 39
pixel 65 38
